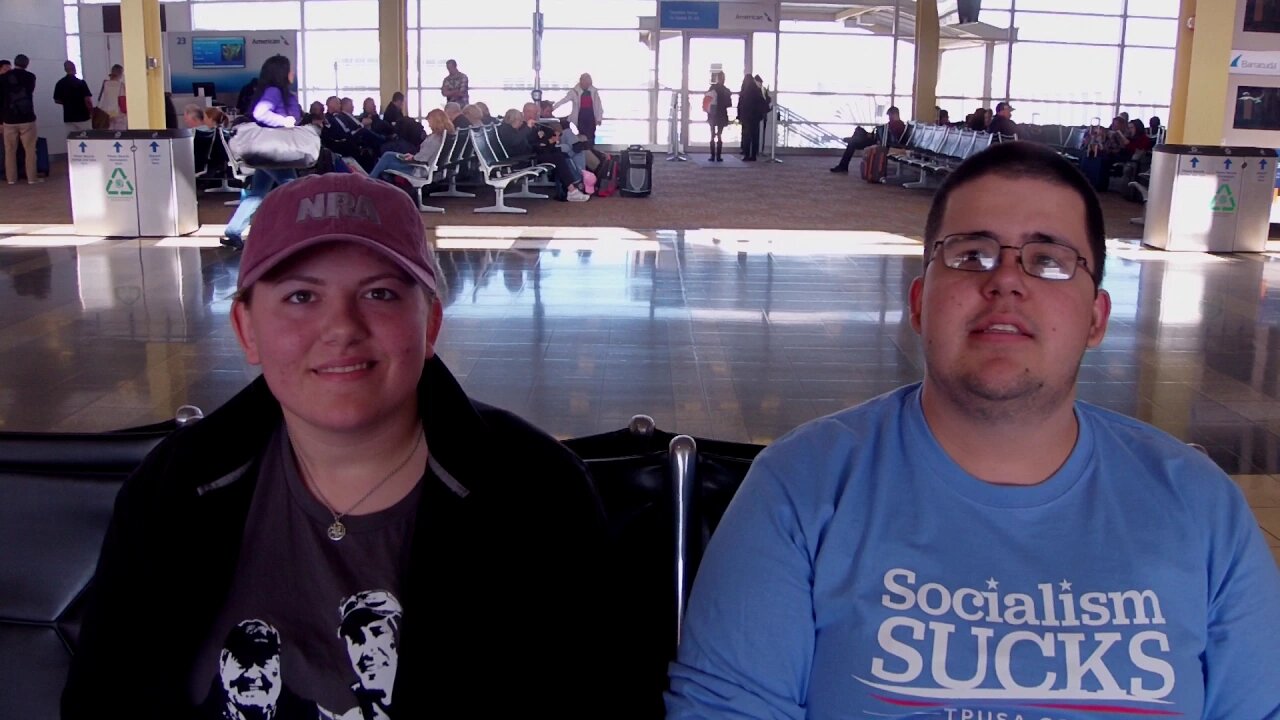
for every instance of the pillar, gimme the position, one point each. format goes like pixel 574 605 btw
pixel 1200 71
pixel 143 63
pixel 393 48
pixel 925 90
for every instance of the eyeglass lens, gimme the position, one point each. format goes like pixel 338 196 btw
pixel 1041 259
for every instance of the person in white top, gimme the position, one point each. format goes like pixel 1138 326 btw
pixel 111 98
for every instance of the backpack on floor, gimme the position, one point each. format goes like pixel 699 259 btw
pixel 875 163
pixel 607 176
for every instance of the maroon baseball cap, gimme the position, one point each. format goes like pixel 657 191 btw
pixel 337 207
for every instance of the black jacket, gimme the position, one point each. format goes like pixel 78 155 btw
pixel 500 599
pixel 515 141
pixel 18 89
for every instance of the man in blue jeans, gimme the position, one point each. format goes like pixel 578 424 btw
pixel 982 544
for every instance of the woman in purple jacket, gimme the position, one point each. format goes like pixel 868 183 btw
pixel 276 105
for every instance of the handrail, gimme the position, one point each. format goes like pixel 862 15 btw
pixel 788 122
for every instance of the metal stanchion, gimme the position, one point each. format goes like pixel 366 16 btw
pixel 771 132
pixel 675 148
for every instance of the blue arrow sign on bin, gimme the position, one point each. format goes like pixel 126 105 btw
pixel 117 147
pixel 155 146
pixel 83 147
pixel 1195 162
pixel 1227 163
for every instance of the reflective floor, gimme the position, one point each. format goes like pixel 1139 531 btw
pixel 737 335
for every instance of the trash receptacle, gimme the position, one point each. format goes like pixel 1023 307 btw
pixel 1214 199
pixel 131 183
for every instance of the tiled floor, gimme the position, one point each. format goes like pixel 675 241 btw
pixel 737 335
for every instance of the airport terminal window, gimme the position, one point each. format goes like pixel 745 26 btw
pixel 960 72
pixel 1100 7
pixel 1068 28
pixel 808 63
pixel 341 14
pixel 501 60
pixel 341 60
pixel 284 14
pixel 496 13
pixel 621 14
pixel 1151 32
pixel 1153 8
pixel 1148 74
pixel 904 78
pixel 1049 71
pixel 615 59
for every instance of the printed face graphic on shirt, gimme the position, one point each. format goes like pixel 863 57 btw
pixel 249 667
pixel 372 649
pixel 370 622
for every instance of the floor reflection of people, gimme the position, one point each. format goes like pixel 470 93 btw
pixel 31 270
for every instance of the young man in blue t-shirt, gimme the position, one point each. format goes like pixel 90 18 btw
pixel 981 546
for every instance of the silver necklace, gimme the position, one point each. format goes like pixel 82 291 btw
pixel 337 530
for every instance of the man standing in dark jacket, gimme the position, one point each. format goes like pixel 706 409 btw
pixel 18 87
pixel 413 553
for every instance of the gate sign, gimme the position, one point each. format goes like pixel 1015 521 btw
pixel 711 15
pixel 689 15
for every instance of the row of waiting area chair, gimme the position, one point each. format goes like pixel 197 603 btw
pixel 663 496
pixel 469 153
pixel 934 151
pixel 477 149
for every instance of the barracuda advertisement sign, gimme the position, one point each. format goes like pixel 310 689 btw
pixel 1254 62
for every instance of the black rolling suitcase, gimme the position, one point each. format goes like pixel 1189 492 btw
pixel 636 176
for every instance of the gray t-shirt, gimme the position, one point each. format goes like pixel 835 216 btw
pixel 311 626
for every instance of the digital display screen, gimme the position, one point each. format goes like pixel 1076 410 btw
pixel 217 52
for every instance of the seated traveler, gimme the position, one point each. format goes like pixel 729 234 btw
pixel 859 141
pixel 351 535
pixel 523 138
pixel 1003 122
pixel 369 118
pixel 395 109
pixel 401 149
pixel 982 544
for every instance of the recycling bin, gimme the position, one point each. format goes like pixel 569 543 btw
pixel 1210 199
pixel 133 183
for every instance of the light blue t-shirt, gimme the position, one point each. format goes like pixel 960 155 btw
pixel 860 573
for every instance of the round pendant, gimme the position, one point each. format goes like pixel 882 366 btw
pixel 337 531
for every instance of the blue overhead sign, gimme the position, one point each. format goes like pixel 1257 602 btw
pixel 688 15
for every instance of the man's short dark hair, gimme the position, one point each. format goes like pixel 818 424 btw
pixel 5 62
pixel 893 110
pixel 21 60
pixel 397 96
pixel 1023 160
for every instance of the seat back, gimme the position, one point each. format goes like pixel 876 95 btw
pixel 663 495
pixel 495 142
pixel 485 153
pixel 57 491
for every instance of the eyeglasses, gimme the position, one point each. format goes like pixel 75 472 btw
pixel 1039 258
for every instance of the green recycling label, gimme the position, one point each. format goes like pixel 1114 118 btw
pixel 1224 201
pixel 119 185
